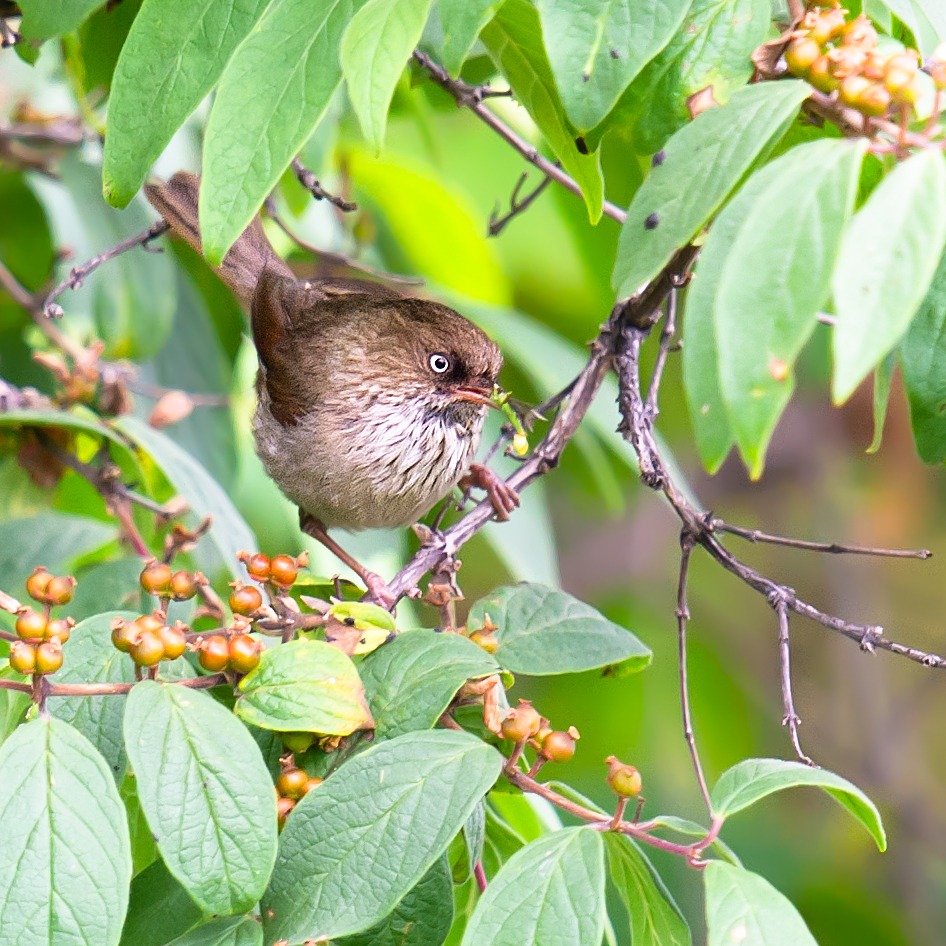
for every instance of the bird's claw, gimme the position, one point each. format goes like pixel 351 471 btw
pixel 379 591
pixel 503 498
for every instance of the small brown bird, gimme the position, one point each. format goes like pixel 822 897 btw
pixel 370 404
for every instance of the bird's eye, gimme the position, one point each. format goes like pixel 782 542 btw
pixel 439 363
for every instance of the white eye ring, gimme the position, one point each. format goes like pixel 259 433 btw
pixel 439 363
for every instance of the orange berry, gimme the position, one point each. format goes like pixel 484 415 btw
pixel 313 782
pixel 852 88
pixel 245 600
pixel 801 53
pixel 522 722
pixel 156 578
pixel 183 586
pixel 37 582
pixel 292 783
pixel 122 634
pixel 258 566
pixel 283 807
pixel 558 746
pixel 30 625
pixel 214 653
pixel 61 589
pixel 48 657
pixel 60 628
pixel 22 657
pixel 174 641
pixel 874 100
pixel 244 653
pixel 283 570
pixel 148 649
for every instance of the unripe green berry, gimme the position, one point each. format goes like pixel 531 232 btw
pixel 800 55
pixel 623 779
pixel 297 741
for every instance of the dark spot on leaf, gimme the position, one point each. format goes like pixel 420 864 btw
pixel 348 622
pixel 651 222
pixel 615 54
pixel 658 159
pixel 581 145
pixel 585 76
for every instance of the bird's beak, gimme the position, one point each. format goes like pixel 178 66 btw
pixel 478 392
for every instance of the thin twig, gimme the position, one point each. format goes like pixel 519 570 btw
pixel 498 224
pixel 65 132
pixel 78 274
pixel 666 339
pixel 791 718
pixel 833 548
pixel 687 541
pixel 471 97
pixel 110 689
pixel 311 183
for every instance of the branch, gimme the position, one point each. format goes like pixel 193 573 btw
pixel 471 97
pixel 109 689
pixel 498 224
pixel 78 274
pixel 311 183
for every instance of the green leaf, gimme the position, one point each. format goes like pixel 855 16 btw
pixel 13 704
pixel 224 931
pixel 889 255
pixel 514 40
pixel 272 94
pixel 187 45
pixel 703 164
pixel 711 48
pixel 411 680
pixel 882 378
pixel 474 836
pixel 775 280
pixel 90 657
pixel 422 918
pixel 304 686
pixel 159 908
pixel 462 21
pixel 334 871
pixel 714 436
pixel 229 533
pixel 923 360
pixel 134 297
pixel 204 787
pixel 144 852
pixel 43 19
pixel 80 419
pixel 113 584
pixel 655 919
pixel 596 49
pixel 550 893
pixel 544 631
pixel 375 49
pixel 753 779
pixel 65 862
pixel 744 908
pixel 54 540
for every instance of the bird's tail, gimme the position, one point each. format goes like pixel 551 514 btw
pixel 252 253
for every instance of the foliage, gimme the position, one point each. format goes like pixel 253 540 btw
pixel 138 801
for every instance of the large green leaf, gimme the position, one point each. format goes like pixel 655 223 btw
pixel 514 39
pixel 411 680
pixel 174 53
pixel 711 49
pixel 744 908
pixel 714 436
pixel 375 49
pixel 203 787
pixel 304 686
pixel 224 931
pixel 65 861
pixel 51 539
pixel 462 21
pixel 133 298
pixel 543 631
pixel 113 584
pixel 351 850
pixel 923 360
pixel 90 657
pixel 889 254
pixel 159 908
pixel 45 18
pixel 550 893
pixel 654 917
pixel 753 779
pixel 205 497
pixel 272 94
pixel 596 49
pixel 775 280
pixel 703 164
pixel 422 918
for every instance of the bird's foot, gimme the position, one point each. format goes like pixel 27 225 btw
pixel 378 590
pixel 503 498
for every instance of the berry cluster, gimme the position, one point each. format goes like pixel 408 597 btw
pixel 239 653
pixel 293 784
pixel 837 54
pixel 281 570
pixel 524 724
pixel 158 578
pixel 39 649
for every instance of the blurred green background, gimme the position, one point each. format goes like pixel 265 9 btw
pixel 541 288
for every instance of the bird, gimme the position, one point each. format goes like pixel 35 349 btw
pixel 370 403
